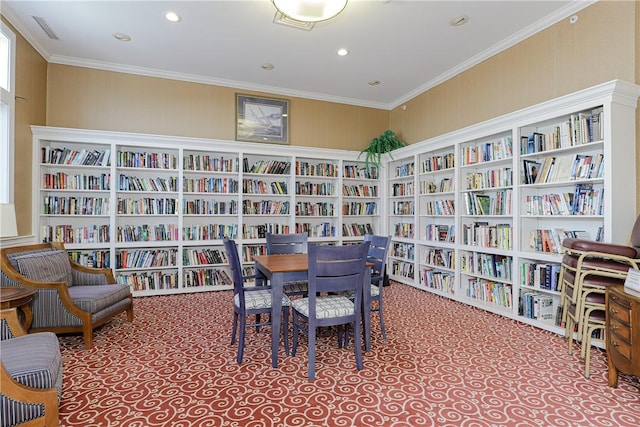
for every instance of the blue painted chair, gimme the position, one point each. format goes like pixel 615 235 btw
pixel 332 270
pixel 378 252
pixel 251 300
pixel 295 243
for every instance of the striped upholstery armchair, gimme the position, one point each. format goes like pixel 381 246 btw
pixel 30 374
pixel 70 298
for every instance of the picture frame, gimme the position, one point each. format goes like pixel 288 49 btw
pixel 261 119
pixel 531 171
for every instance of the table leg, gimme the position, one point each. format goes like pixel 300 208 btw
pixel 366 309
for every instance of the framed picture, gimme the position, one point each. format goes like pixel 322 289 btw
pixel 531 170
pixel 261 119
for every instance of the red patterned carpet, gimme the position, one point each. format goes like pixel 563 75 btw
pixel 443 364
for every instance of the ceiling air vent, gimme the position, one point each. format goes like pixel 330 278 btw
pixel 285 20
pixel 45 27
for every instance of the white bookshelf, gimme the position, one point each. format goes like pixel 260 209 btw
pixel 494 262
pixel 160 206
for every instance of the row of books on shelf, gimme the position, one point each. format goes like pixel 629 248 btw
pixel 440 233
pixel 149 280
pixel 91 259
pixel 439 162
pixel 205 277
pixel 403 250
pixel 401 207
pixel 315 189
pixel 147 233
pixel 209 232
pixel 498 149
pixel 584 200
pixel 402 268
pixel 359 172
pixel 203 256
pixel 207 163
pixel 542 307
pixel 438 280
pixel 401 189
pixel 540 275
pixel 259 231
pixel 360 190
pixel 252 186
pixel 134 183
pixel 66 233
pixel 561 168
pixel 249 251
pixel 490 291
pixel 406 169
pixel 581 128
pixel 440 207
pixel 550 240
pixel 490 265
pixel 148 206
pixel 329 170
pixel 440 258
pixel 146 160
pixel 359 208
pixel 273 167
pixel 404 229
pixel 445 185
pixel 80 181
pixel 502 177
pixel 483 234
pixel 72 205
pixel 498 203
pixel 265 207
pixel 67 156
pixel 353 230
pixel 209 207
pixel 315 209
pixel 146 258
pixel 324 229
pixel 210 185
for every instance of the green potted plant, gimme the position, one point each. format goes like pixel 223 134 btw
pixel 385 143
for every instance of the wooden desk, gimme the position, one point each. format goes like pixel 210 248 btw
pixel 20 299
pixel 279 269
pixel 623 333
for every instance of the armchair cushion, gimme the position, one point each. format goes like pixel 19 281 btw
pixel 94 299
pixel 50 266
pixel 34 360
pixel 605 248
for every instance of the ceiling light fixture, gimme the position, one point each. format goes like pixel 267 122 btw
pixel 172 17
pixel 122 37
pixel 459 20
pixel 343 52
pixel 267 66
pixel 310 10
pixel 374 83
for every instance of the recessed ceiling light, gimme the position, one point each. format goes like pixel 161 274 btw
pixel 267 66
pixel 343 52
pixel 459 20
pixel 172 16
pixel 374 82
pixel 122 37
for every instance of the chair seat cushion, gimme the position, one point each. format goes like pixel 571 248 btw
pixel 594 263
pixel 297 287
pixel 96 298
pixel 46 266
pixel 34 360
pixel 254 300
pixel 326 307
pixel 608 248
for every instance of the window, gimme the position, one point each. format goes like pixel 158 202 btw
pixel 7 105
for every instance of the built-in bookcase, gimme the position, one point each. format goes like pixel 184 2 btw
pixel 155 209
pixel 495 200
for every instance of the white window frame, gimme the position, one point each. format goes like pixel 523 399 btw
pixel 7 122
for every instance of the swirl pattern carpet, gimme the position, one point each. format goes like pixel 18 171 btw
pixel 443 364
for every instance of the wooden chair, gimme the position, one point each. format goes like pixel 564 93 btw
pixel 332 270
pixel 295 243
pixel 251 300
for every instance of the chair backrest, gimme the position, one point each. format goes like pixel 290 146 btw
pixel 295 243
pixel 236 267
pixel 378 251
pixel 336 269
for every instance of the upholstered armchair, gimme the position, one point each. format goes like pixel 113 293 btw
pixel 70 298
pixel 30 374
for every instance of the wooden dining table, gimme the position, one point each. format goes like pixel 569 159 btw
pixel 282 268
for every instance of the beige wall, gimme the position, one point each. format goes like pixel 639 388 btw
pixel 602 46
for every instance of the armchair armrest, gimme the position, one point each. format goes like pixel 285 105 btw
pixel 10 316
pixel 48 397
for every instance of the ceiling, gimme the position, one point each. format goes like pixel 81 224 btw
pixel 407 46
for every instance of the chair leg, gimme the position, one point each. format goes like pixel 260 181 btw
pixel 382 328
pixel 243 327
pixel 257 322
pixel 357 343
pixel 285 332
pixel 235 327
pixel 312 352
pixel 294 347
